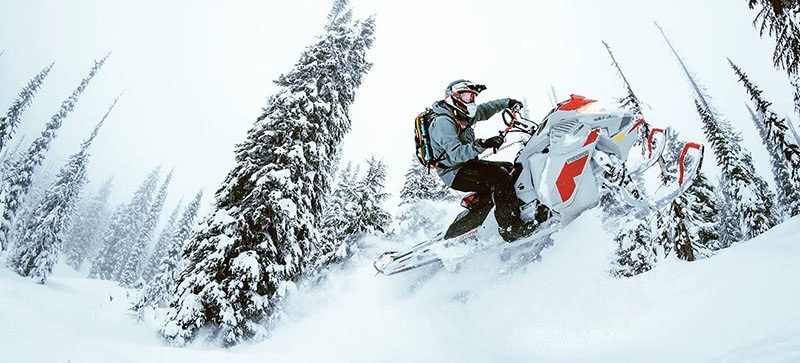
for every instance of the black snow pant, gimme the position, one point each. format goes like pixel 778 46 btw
pixel 491 178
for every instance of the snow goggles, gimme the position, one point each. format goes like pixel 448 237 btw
pixel 465 95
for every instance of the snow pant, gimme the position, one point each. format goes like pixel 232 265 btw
pixel 491 178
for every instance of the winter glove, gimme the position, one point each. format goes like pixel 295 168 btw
pixel 492 142
pixel 514 104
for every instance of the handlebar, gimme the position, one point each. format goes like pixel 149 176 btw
pixel 512 120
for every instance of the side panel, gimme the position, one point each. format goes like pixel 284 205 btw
pixel 563 180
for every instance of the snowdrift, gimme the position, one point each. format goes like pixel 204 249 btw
pixel 739 305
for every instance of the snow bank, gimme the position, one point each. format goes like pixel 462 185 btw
pixel 740 305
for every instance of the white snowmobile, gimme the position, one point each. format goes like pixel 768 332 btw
pixel 576 152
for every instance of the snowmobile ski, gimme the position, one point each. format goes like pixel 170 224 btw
pixel 451 252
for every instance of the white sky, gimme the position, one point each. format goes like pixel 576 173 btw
pixel 196 73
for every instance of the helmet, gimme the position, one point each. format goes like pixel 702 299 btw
pixel 460 96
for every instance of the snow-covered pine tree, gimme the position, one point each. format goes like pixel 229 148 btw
pixel 10 156
pixel 160 289
pixel 355 209
pixel 376 218
pixel 420 188
pixel 134 226
pixel 688 226
pixel 151 267
pixel 257 238
pixel 787 185
pixel 753 212
pixel 420 183
pixel 42 180
pixel 123 231
pixel 370 194
pixel 129 276
pixel 338 206
pixel 751 202
pixel 37 250
pixel 9 121
pixel 103 262
pixel 635 250
pixel 84 238
pixel 18 181
pixel 783 150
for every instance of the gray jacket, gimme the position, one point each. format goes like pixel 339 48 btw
pixel 458 148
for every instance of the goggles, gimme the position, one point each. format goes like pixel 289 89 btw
pixel 465 95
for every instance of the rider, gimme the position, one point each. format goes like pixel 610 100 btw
pixel 453 137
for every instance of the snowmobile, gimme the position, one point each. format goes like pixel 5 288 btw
pixel 577 152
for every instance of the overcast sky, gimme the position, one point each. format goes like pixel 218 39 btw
pixel 196 73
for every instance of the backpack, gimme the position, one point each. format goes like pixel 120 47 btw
pixel 422 139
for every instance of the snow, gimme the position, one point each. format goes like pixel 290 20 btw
pixel 288 206
pixel 246 265
pixel 224 216
pixel 282 176
pixel 737 306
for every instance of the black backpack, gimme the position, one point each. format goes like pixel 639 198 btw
pixel 422 139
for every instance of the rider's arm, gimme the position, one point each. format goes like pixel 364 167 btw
pixel 444 135
pixel 488 109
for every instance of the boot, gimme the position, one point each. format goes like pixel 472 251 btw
pixel 518 230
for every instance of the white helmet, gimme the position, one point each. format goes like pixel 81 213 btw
pixel 460 95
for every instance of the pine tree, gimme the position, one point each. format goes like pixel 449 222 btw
pixel 103 262
pixel 751 209
pixel 635 250
pixel 123 231
pixel 159 290
pixel 783 151
pixel 795 82
pixel 9 122
pixel 140 238
pixel 355 210
pixel 42 180
pixel 420 188
pixel 630 101
pixel 151 267
pixel 257 238
pixel 370 194
pixel 422 184
pixel 19 180
pixel 689 224
pixel 37 250
pixel 339 208
pixel 10 157
pixel 84 237
pixel 753 213
pixel 780 19
pixel 786 184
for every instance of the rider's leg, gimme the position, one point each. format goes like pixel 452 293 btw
pixel 491 177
